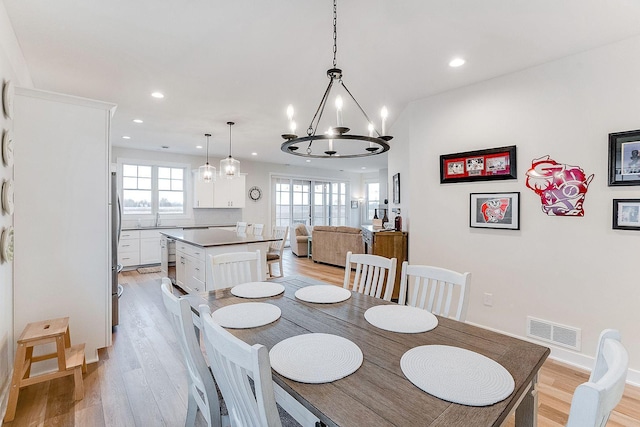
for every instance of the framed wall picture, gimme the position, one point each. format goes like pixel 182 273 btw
pixel 396 188
pixel 354 204
pixel 624 158
pixel 495 210
pixel 480 165
pixel 626 214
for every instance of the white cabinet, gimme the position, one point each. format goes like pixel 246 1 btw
pixel 141 247
pixel 149 246
pixel 62 264
pixel 229 193
pixel 129 248
pixel 223 193
pixel 202 192
pixel 164 256
pixel 190 267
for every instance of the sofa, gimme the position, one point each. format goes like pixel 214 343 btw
pixel 299 240
pixel 331 244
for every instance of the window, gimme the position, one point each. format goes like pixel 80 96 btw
pixel 170 190
pixel 152 189
pixel 136 189
pixel 373 200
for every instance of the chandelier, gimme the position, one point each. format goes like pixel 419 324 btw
pixel 230 167
pixel 206 172
pixel 336 141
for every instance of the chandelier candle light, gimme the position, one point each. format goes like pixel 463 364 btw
pixel 206 172
pixel 230 167
pixel 340 142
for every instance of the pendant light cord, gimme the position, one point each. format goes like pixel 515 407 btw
pixel 230 124
pixel 207 135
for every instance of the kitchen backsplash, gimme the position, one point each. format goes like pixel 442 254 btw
pixel 200 217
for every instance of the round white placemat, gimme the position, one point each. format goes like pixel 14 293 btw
pixel 401 318
pixel 457 375
pixel 257 290
pixel 323 294
pixel 315 358
pixel 246 315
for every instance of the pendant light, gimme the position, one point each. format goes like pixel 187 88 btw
pixel 337 142
pixel 230 167
pixel 206 172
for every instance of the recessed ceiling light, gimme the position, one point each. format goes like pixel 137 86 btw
pixel 137 121
pixel 456 62
pixel 308 161
pixel 254 154
pixel 364 167
pixel 126 137
pixel 158 95
pixel 199 146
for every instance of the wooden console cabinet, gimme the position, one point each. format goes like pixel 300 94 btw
pixel 389 244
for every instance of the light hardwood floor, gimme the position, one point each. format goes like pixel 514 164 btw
pixel 141 381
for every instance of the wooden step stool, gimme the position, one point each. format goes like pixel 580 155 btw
pixel 71 359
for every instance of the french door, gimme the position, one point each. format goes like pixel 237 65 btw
pixel 310 202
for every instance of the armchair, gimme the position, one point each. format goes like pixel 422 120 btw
pixel 299 245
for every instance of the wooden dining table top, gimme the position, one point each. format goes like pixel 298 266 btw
pixel 378 393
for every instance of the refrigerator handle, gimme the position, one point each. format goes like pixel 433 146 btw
pixel 119 218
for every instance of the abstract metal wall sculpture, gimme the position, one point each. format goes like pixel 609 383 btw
pixel 561 187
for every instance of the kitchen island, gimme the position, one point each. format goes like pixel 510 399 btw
pixel 194 247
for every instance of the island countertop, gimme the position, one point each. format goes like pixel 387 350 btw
pixel 214 237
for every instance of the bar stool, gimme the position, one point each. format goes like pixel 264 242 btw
pixel 71 360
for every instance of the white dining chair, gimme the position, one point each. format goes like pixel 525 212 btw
pixel 276 249
pixel 435 289
pixel 257 229
pixel 202 389
pixel 370 274
pixel 233 362
pixel 594 400
pixel 241 227
pixel 235 268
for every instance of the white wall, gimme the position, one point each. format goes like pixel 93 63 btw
pixel 12 68
pixel 258 174
pixel 573 271
pixel 399 163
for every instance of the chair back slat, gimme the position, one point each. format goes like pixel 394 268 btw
pixel 233 362
pixel 372 274
pixel 257 229
pixel 438 290
pixel 235 268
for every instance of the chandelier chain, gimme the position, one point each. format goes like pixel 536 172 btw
pixel 335 32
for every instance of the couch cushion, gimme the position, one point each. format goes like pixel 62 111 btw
pixel 324 228
pixel 349 230
pixel 301 230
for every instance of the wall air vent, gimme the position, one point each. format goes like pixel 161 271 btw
pixel 565 336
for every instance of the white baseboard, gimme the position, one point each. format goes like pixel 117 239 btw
pixel 578 360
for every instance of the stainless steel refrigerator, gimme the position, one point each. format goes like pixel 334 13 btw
pixel 116 229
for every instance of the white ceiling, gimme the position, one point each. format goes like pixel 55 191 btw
pixel 245 61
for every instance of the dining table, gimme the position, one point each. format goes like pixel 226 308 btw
pixel 378 393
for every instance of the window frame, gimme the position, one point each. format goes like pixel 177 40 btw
pixel 367 201
pixel 155 191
